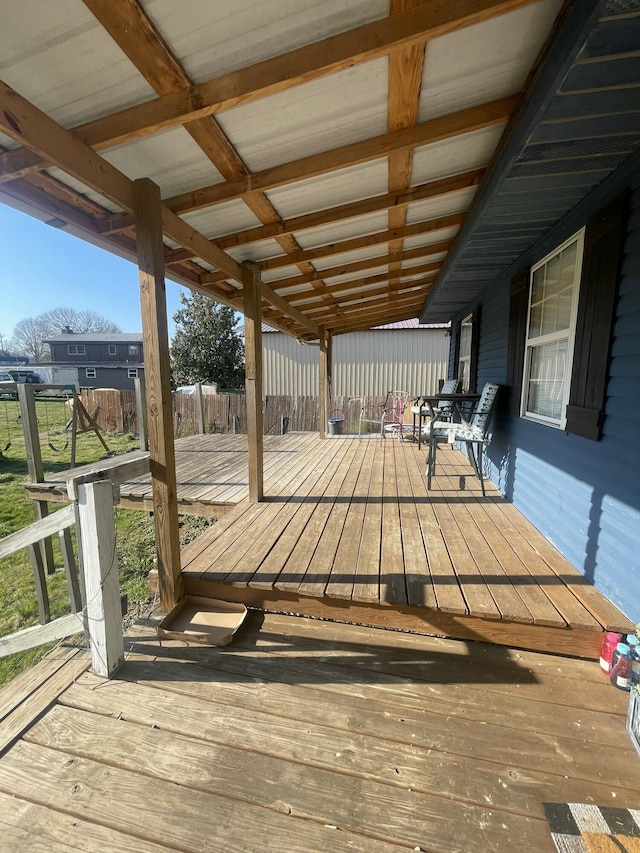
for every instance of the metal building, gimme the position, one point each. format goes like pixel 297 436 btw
pixel 406 356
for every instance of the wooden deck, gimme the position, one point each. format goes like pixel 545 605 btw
pixel 211 473
pixel 305 735
pixel 348 531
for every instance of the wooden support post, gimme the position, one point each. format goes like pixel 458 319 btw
pixel 141 412
pixel 329 374
pixel 199 409
pixel 253 377
pixel 103 613
pixel 26 396
pixel 70 570
pixel 322 385
pixel 162 461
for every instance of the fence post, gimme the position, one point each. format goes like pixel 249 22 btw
pixel 141 412
pixel 27 399
pixel 100 568
pixel 199 409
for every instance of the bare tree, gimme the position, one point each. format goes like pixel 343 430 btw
pixel 30 334
pixel 28 339
pixel 81 322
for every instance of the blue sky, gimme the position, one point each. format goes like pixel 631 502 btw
pixel 43 268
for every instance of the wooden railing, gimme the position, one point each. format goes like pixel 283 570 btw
pixel 94 592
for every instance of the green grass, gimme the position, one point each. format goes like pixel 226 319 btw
pixel 134 530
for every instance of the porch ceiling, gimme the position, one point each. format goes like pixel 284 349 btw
pixel 327 142
pixel 581 121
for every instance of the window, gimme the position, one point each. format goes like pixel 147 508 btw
pixel 464 355
pixel 133 349
pixel 132 373
pixel 112 349
pixel 75 349
pixel 551 323
pixel 90 372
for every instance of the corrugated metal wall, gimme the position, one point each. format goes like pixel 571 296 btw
pixel 582 495
pixel 364 363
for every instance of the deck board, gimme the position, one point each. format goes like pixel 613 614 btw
pixel 307 735
pixel 356 524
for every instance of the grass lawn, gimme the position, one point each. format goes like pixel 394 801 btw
pixel 135 533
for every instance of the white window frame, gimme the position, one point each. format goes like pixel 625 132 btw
pixel 112 349
pixel 465 359
pixel 90 373
pixel 134 349
pixel 569 334
pixel 75 349
pixel 132 373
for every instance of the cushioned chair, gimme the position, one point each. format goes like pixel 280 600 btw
pixel 443 411
pixel 473 433
pixel 387 415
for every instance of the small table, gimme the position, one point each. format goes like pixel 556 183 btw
pixel 457 401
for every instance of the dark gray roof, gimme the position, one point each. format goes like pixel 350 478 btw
pixel 98 338
pixel 581 121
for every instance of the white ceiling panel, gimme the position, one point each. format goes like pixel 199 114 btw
pixel 338 231
pixel 431 237
pixel 57 56
pixel 222 219
pixel 483 62
pixel 351 257
pixel 213 37
pixel 81 188
pixel 256 251
pixel 281 272
pixel 433 207
pixel 323 114
pixel 171 158
pixel 325 191
pixel 451 156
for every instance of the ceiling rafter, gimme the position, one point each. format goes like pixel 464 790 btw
pixel 433 189
pixel 294 298
pixel 269 76
pixel 405 79
pixel 135 34
pixel 434 130
pixel 28 125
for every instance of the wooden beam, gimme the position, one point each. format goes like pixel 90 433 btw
pixel 253 379
pixel 320 312
pixel 383 312
pixel 298 298
pixel 432 189
pixel 28 125
pixel 372 305
pixel 405 79
pixel 148 212
pixel 281 303
pixel 277 74
pixel 427 226
pixel 322 384
pixel 434 130
pixel 183 233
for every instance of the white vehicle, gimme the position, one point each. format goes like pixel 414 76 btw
pixel 50 374
pixel 5 380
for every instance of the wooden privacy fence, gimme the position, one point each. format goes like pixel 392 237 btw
pixel 226 413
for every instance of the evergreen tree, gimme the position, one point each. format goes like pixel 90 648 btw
pixel 206 346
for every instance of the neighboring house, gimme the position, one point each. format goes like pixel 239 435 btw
pixel 103 360
pixel 543 290
pixel 404 356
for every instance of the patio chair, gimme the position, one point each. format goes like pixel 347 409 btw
pixel 387 416
pixel 443 411
pixel 472 433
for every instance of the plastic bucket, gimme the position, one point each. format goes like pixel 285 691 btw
pixel 335 426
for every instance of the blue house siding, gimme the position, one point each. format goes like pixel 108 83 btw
pixel 583 495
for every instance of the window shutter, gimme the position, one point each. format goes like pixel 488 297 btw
pixel 596 311
pixel 475 348
pixel 518 307
pixel 456 351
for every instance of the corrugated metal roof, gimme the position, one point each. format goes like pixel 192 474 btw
pixel 264 170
